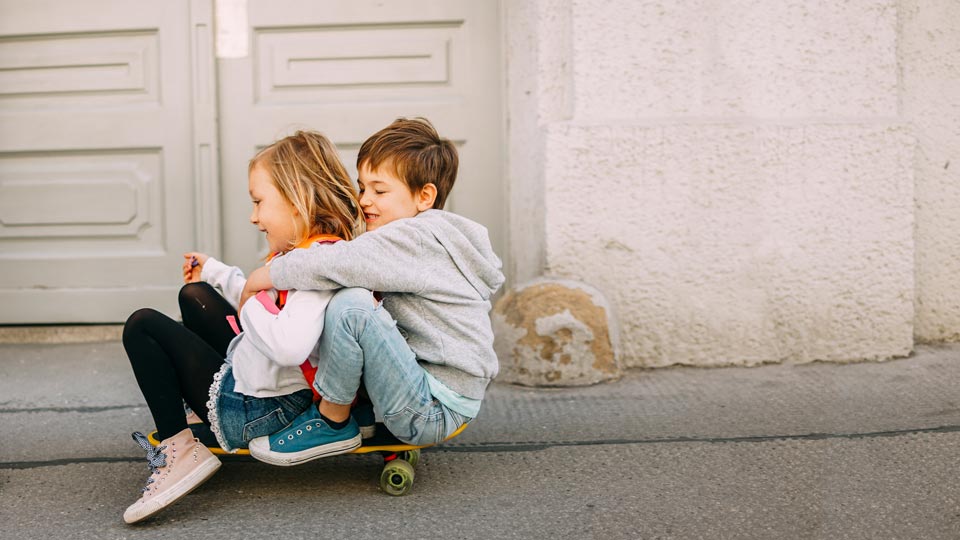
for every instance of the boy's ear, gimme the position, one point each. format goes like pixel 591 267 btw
pixel 425 197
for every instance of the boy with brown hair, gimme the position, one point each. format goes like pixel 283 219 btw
pixel 433 272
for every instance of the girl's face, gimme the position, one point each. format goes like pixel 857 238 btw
pixel 272 214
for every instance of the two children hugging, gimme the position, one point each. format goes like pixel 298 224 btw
pixel 402 309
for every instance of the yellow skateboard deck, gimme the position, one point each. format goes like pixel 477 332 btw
pixel 399 457
pixel 382 441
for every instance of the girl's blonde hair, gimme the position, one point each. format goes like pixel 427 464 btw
pixel 308 173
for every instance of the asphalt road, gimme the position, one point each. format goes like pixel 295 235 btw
pixel 813 451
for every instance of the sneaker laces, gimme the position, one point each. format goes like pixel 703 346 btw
pixel 155 457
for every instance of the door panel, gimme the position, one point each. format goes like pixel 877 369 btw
pixel 349 68
pixel 109 164
pixel 98 137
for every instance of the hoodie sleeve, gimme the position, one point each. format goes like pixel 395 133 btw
pixel 389 259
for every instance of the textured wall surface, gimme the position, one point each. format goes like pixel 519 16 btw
pixel 728 244
pixel 930 56
pixel 736 176
pixel 651 59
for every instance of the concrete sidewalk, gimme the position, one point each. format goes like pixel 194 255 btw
pixel 812 451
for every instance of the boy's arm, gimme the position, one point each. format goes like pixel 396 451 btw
pixel 287 337
pixel 388 260
pixel 259 280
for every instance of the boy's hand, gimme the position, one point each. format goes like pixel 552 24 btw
pixel 192 266
pixel 258 280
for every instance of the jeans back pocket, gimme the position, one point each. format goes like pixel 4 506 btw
pixel 414 427
pixel 271 422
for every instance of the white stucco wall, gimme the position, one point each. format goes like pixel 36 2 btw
pixel 736 176
pixel 735 243
pixel 930 59
pixel 699 59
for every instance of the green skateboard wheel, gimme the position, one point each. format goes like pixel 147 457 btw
pixel 397 478
pixel 411 456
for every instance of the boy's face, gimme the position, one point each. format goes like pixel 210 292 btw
pixel 384 197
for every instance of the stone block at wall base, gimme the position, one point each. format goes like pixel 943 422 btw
pixel 551 332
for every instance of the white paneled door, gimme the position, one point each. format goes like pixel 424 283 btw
pixel 106 137
pixel 124 139
pixel 348 68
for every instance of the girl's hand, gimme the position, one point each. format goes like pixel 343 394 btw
pixel 258 280
pixel 193 265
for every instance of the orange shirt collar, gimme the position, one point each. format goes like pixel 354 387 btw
pixel 310 241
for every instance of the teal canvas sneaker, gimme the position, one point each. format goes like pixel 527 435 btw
pixel 307 438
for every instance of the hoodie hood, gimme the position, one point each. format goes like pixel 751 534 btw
pixel 468 244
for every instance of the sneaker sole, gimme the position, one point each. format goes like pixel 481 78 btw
pixel 260 450
pixel 140 512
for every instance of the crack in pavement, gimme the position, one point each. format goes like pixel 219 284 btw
pixel 80 409
pixel 536 446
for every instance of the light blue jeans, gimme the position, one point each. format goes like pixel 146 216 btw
pixel 360 340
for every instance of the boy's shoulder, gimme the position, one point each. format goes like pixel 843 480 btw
pixel 444 219
pixel 450 233
pixel 432 221
pixel 447 244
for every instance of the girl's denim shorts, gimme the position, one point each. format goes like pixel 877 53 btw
pixel 237 419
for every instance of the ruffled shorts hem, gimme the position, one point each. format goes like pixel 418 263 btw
pixel 213 406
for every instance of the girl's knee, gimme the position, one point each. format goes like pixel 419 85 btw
pixel 192 291
pixel 138 320
pixel 140 316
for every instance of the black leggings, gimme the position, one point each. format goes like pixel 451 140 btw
pixel 174 363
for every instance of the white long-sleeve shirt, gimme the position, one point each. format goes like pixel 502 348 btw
pixel 266 356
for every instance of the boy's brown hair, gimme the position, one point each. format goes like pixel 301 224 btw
pixel 416 153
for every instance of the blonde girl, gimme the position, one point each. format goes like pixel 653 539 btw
pixel 249 383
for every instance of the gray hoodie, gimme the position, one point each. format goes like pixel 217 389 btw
pixel 436 271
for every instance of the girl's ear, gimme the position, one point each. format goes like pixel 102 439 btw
pixel 425 197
